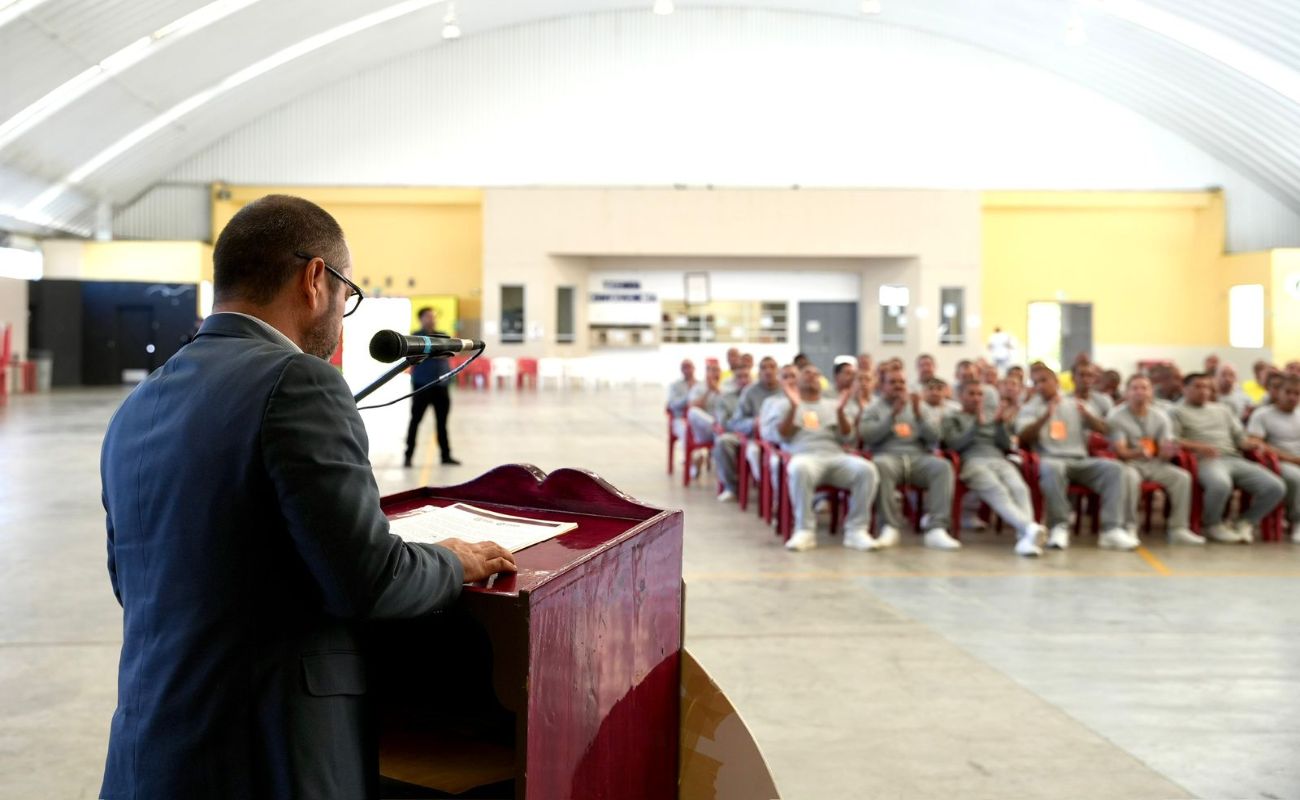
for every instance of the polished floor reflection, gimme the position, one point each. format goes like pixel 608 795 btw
pixel 903 674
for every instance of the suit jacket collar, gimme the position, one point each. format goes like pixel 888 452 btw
pixel 242 326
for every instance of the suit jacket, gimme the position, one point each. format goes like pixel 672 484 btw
pixel 246 545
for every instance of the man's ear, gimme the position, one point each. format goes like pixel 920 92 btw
pixel 311 282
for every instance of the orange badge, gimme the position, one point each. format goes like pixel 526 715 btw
pixel 1057 430
pixel 811 421
pixel 1148 447
pixel 902 430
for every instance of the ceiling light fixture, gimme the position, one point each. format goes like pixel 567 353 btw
pixel 450 29
pixel 13 9
pixel 1212 44
pixel 77 86
pixel 871 7
pixel 230 82
pixel 663 7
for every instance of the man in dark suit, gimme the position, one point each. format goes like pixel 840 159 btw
pixel 245 539
pixel 438 395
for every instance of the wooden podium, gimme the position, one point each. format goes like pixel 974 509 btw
pixel 562 681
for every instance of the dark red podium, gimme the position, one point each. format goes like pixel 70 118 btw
pixel 559 682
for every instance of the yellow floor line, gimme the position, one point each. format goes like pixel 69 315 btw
pixel 426 469
pixel 1156 564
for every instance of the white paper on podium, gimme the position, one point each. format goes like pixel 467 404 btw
pixel 432 524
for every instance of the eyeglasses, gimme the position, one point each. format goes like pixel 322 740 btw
pixel 354 299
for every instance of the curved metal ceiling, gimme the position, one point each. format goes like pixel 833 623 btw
pixel 1226 77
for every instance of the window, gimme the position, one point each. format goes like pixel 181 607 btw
pixel 893 314
pixel 512 314
pixel 564 314
pixel 952 315
pixel 724 321
pixel 1246 315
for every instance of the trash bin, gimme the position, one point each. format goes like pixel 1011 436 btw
pixel 43 361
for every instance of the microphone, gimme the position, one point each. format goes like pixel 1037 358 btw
pixel 390 346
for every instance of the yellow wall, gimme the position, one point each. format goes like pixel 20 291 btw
pixel 1283 302
pixel 151 262
pixel 1125 252
pixel 404 241
pixel 1252 268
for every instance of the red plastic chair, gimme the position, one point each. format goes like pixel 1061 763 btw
pixel 526 372
pixel 1100 447
pixel 1270 527
pixel 481 368
pixel 1082 497
pixel 689 448
pixel 672 439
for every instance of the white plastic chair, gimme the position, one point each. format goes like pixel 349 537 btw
pixel 504 368
pixel 550 369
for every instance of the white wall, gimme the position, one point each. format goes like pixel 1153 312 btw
pixel 547 237
pixel 727 97
pixel 13 310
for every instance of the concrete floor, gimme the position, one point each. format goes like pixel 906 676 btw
pixel 904 674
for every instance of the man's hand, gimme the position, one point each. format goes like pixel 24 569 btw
pixel 916 406
pixel 480 559
pixel 792 393
pixel 845 396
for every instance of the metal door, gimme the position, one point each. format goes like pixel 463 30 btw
pixel 134 345
pixel 1076 332
pixel 827 330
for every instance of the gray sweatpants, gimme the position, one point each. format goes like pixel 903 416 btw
pixel 997 482
pixel 701 423
pixel 1177 483
pixel 1102 475
pixel 1217 477
pixel 1291 476
pixel 807 471
pixel 726 459
pixel 931 473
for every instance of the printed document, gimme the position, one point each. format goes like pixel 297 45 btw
pixel 432 524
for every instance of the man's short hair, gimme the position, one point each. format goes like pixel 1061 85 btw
pixel 766 359
pixel 1290 381
pixel 423 311
pixel 1193 376
pixel 936 383
pixel 967 384
pixel 254 255
pixel 964 363
pixel 1043 369
pixel 1136 376
pixel 924 355
pixel 840 367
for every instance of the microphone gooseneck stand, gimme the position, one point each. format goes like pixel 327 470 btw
pixel 401 366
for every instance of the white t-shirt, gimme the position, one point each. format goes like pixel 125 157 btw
pixel 1279 429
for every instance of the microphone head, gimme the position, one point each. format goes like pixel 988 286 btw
pixel 387 346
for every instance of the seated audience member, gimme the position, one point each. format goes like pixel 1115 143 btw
pixel 800 361
pixel 983 442
pixel 1057 429
pixel 865 364
pixel 726 449
pixel 988 372
pixel 1143 438
pixel 1292 368
pixel 924 371
pixel 710 404
pixel 1111 384
pixel 900 439
pixel 1254 388
pixel 1278 426
pixel 1167 382
pixel 680 396
pixel 740 362
pixel 863 395
pixel 935 404
pixel 1227 391
pixel 969 372
pixel 813 429
pixel 1211 366
pixel 770 413
pixel 1085 388
pixel 845 374
pixel 1211 432
pixel 1272 385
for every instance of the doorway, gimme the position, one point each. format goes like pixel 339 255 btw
pixel 827 330
pixel 135 342
pixel 1058 333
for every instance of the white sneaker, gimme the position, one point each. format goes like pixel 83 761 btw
pixel 859 540
pixel 1059 537
pixel 726 496
pixel 1223 534
pixel 1295 532
pixel 888 537
pixel 1246 531
pixel 939 539
pixel 1030 543
pixel 802 540
pixel 1117 539
pixel 1185 536
pixel 925 521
